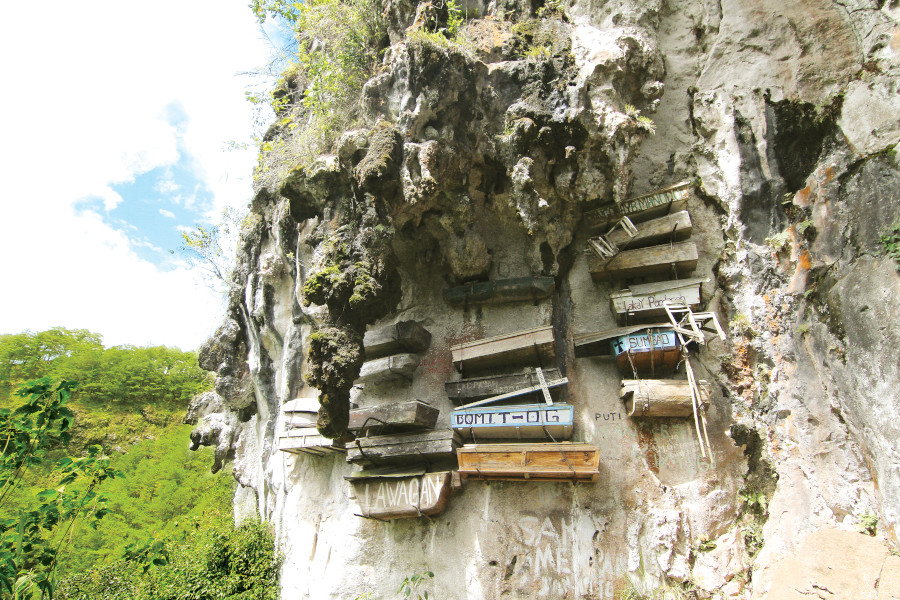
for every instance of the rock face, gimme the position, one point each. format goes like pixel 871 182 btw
pixel 478 162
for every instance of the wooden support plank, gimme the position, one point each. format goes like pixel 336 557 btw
pixel 406 448
pixel 389 368
pixel 403 496
pixel 653 260
pixel 396 416
pixel 640 208
pixel 500 291
pixel 528 421
pixel 478 388
pixel 548 461
pixel 648 300
pixel 534 347
pixel 400 337
pixel 661 397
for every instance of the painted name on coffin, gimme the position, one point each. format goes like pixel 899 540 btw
pixel 643 203
pixel 500 416
pixel 644 342
pixel 650 302
pixel 390 493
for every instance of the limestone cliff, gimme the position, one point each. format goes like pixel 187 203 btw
pixel 478 161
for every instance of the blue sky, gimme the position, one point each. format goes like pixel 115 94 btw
pixel 116 132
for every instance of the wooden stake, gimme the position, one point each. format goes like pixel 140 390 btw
pixel 695 399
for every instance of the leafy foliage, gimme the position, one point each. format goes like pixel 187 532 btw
pixel 32 536
pixel 318 96
pixel 868 523
pixel 410 586
pixel 890 241
pixel 212 248
pixel 214 560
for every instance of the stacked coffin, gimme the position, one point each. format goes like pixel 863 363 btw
pixel 646 237
pixel 516 406
pixel 656 317
pixel 300 435
pixel 392 352
pixel 406 462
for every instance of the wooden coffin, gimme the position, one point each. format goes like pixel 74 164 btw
pixel 643 262
pixel 640 208
pixel 647 300
pixel 673 227
pixel 401 337
pixel 401 494
pixel 300 412
pixel 306 440
pixel 599 343
pixel 661 397
pixel 500 291
pixel 541 462
pixel 396 416
pixel 427 446
pixel 532 347
pixel 524 421
pixel 478 388
pixel 389 368
pixel 653 351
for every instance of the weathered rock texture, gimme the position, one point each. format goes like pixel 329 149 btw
pixel 478 162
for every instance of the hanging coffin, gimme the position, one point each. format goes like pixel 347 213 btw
pixel 681 257
pixel 661 397
pixel 599 343
pixel 640 208
pixel 478 388
pixel 396 416
pixel 674 227
pixel 532 347
pixel 534 462
pixel 307 440
pixel 529 421
pixel 500 291
pixel 383 494
pixel 402 337
pixel 300 412
pixel 390 368
pixel 648 300
pixel 650 351
pixel 427 446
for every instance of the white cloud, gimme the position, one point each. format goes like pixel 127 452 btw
pixel 96 83
pixel 167 213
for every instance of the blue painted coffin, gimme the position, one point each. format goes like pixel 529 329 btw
pixel 530 421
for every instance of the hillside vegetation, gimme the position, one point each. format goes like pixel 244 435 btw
pixel 97 467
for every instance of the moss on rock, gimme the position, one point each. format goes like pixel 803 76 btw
pixel 335 357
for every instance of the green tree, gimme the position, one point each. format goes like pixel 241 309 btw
pixel 32 537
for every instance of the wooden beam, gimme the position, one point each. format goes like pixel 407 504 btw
pixel 519 289
pixel 403 336
pixel 653 260
pixel 396 416
pixel 532 347
pixel 478 388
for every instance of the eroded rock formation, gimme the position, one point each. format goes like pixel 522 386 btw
pixel 478 161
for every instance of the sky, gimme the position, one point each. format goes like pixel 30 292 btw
pixel 115 123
